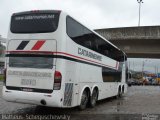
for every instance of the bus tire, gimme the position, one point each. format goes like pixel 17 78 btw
pixel 93 98
pixel 84 100
pixel 119 95
pixel 123 89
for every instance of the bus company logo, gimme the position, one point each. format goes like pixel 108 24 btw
pixel 36 46
pixel 89 54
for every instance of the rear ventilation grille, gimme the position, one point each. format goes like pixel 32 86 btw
pixel 68 94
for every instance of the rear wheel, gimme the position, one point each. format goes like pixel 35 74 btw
pixel 123 90
pixel 94 97
pixel 119 95
pixel 84 100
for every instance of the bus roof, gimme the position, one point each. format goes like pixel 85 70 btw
pixel 59 11
pixel 37 11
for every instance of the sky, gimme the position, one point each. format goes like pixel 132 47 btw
pixel 95 14
pixel 149 65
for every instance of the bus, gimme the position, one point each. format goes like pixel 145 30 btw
pixel 53 60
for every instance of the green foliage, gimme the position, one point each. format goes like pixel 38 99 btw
pixel 1 77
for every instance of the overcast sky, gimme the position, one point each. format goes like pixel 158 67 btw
pixel 150 65
pixel 93 13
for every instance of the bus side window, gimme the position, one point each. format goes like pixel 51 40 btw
pixel 88 44
pixel 106 52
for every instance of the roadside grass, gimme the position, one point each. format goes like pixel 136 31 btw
pixel 1 77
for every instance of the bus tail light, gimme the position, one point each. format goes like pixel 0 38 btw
pixel 57 80
pixel 4 78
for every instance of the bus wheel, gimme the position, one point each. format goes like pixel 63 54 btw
pixel 119 95
pixel 84 100
pixel 93 98
pixel 123 89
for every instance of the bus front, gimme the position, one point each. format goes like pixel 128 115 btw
pixel 30 65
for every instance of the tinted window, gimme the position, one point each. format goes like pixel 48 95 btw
pixel 83 36
pixel 74 30
pixel 34 23
pixel 31 62
pixel 111 75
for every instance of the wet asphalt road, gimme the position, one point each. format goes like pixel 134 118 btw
pixel 140 103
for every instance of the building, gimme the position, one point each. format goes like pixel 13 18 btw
pixel 2 49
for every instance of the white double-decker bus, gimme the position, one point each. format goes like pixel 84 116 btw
pixel 53 60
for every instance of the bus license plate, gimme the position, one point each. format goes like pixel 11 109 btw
pixel 28 82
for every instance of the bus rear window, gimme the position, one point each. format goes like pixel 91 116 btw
pixel 31 62
pixel 34 22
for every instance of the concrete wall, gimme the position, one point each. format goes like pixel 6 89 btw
pixel 136 42
pixel 143 32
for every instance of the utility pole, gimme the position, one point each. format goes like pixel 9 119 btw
pixel 156 70
pixel 129 67
pixel 142 69
pixel 139 2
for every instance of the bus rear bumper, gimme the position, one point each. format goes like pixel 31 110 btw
pixel 53 100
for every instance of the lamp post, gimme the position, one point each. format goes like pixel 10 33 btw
pixel 139 2
pixel 143 65
pixel 142 69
